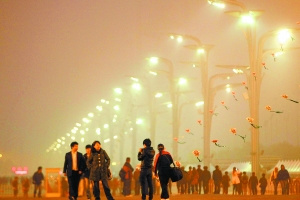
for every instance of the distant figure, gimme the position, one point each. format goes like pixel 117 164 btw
pixel 253 182
pixel 263 184
pixel 274 179
pixel 199 170
pixel 206 176
pixel 194 181
pixel 128 169
pixel 225 182
pixel 98 164
pixel 136 177
pixel 146 155
pixel 74 166
pixel 37 179
pixel 284 179
pixel 189 180
pixel 15 185
pixel 245 181
pixel 162 167
pixel 86 172
pixel 235 180
pixel 25 186
pixel 217 177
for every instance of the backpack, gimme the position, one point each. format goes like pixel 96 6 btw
pixel 122 174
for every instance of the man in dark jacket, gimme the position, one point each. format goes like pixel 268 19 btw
pixel 128 169
pixel 146 156
pixel 73 167
pixel 98 164
pixel 37 179
pixel 283 177
pixel 217 177
pixel 206 176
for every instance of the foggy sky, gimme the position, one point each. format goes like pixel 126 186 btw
pixel 59 58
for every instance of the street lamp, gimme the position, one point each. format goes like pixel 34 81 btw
pixel 256 55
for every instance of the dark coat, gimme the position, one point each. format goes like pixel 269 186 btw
pixel 146 156
pixel 98 164
pixel 68 163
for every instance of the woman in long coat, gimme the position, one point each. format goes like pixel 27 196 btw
pixel 98 164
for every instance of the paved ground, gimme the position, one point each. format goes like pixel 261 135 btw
pixel 183 197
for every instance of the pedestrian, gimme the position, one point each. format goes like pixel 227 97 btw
pixel 74 166
pixel 283 177
pixel 86 173
pixel 217 177
pixel 194 181
pixel 15 186
pixel 189 180
pixel 263 184
pixel 136 178
pixel 244 181
pixel 162 163
pixel 225 182
pixel 274 179
pixel 199 186
pixel 206 176
pixel 235 180
pixel 253 182
pixel 146 155
pixel 98 164
pixel 37 179
pixel 25 186
pixel 128 169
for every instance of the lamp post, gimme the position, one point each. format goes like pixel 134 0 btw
pixel 174 99
pixel 257 53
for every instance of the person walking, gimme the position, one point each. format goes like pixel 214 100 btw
pixel 206 176
pixel 86 173
pixel 136 177
pixel 98 164
pixel 146 155
pixel 74 166
pixel 162 167
pixel 253 182
pixel 274 179
pixel 244 180
pixel 15 186
pixel 128 169
pixel 225 182
pixel 263 184
pixel 217 177
pixel 284 178
pixel 199 186
pixel 37 179
pixel 235 180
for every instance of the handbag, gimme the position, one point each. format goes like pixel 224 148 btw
pixel 175 173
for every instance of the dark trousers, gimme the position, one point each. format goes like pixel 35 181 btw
pixel 127 187
pixel 73 184
pixel 164 176
pixel 96 190
pixel 217 187
pixel 37 189
pixel 205 187
pixel 146 180
pixel 275 183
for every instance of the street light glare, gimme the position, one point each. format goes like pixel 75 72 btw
pixel 238 71
pixel 153 73
pixel 179 39
pixel 200 51
pixel 247 19
pixel 200 103
pixel 139 121
pixel 158 95
pixel 182 81
pixel 153 60
pixel 116 107
pixel 136 86
pixel 91 114
pixel 279 53
pixel 228 90
pixel 283 36
pixel 217 4
pixel 118 90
